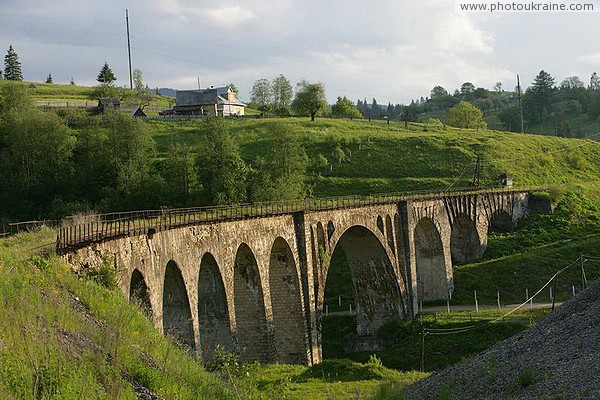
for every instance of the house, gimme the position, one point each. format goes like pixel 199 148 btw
pixel 108 103
pixel 220 101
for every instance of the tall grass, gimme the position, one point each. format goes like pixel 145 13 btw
pixel 68 337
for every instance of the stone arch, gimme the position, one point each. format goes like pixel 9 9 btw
pixel 251 322
pixel 389 233
pixel 432 280
pixel 286 303
pixel 376 287
pixel 500 221
pixel 213 314
pixel 177 315
pixel 330 230
pixel 380 224
pixel 139 294
pixel 465 244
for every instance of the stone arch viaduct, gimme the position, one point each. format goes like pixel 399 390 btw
pixel 254 283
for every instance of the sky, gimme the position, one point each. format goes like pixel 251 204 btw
pixel 393 50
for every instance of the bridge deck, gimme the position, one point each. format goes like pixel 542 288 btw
pixel 80 231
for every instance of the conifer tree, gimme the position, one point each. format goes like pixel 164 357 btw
pixel 12 66
pixel 106 75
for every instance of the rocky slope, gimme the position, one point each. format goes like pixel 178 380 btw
pixel 559 358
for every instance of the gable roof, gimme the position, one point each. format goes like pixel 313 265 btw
pixel 186 98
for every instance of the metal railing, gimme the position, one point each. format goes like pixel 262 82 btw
pixel 80 231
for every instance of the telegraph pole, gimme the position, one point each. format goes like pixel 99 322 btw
pixel 520 103
pixel 477 174
pixel 129 49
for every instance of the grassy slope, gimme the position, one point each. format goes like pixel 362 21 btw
pixel 382 158
pixel 80 95
pixel 74 338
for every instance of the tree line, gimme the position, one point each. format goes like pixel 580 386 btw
pixel 54 164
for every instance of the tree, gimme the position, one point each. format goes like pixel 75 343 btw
pixel 465 115
pixel 310 99
pixel 343 108
pixel 282 92
pixel 181 175
pixel 35 151
pixel 572 83
pixel 262 94
pixel 12 66
pixel 594 82
pixel 221 168
pixel 49 78
pixel 466 89
pixel 234 89
pixel 138 82
pixel 106 76
pixel 498 87
pixel 282 175
pixel 542 91
pixel 438 92
pixel 409 113
pixel 510 118
pixel 143 95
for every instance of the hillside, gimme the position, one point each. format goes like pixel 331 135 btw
pixel 373 157
pixel 557 358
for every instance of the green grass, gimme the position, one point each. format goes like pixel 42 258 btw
pixel 68 337
pixel 387 158
pixel 78 96
pixel 440 350
pixel 333 379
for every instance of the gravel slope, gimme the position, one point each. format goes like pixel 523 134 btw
pixel 559 358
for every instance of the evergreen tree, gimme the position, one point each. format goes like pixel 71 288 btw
pixel 12 66
pixel 106 75
pixel 541 95
pixel 375 111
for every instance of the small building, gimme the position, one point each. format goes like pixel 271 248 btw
pixel 108 103
pixel 505 180
pixel 221 101
pixel 138 113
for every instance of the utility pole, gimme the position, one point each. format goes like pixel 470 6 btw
pixel 520 103
pixel 477 174
pixel 129 49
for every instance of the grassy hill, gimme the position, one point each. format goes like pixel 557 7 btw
pixel 55 96
pixel 377 157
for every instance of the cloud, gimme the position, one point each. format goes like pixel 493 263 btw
pixel 394 50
